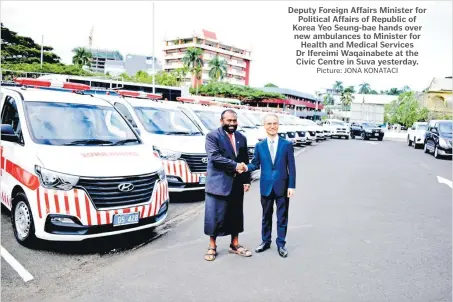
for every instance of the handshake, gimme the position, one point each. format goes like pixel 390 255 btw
pixel 241 168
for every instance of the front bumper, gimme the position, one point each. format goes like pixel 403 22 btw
pixel 339 133
pixel 419 140
pixel 374 135
pixel 57 231
pixel 176 184
pixel 444 151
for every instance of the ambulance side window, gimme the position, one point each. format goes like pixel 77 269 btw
pixel 10 115
pixel 121 108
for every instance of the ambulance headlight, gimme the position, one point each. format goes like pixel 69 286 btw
pixel 167 154
pixel 54 180
pixel 161 174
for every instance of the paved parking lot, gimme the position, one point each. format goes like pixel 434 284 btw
pixel 371 221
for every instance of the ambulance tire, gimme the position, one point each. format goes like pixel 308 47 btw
pixel 20 201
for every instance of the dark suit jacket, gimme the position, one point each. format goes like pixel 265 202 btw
pixel 278 176
pixel 222 161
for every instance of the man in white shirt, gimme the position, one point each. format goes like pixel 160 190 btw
pixel 275 157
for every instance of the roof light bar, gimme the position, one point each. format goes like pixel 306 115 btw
pixel 138 94
pixel 38 83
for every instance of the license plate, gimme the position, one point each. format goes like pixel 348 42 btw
pixel 376 134
pixel 202 180
pixel 125 219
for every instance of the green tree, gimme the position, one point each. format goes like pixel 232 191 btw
pixel 270 85
pixel 349 89
pixel 197 72
pixel 180 74
pixel 405 110
pixel 364 88
pixel 328 100
pixel 82 56
pixel 242 93
pixel 338 87
pixel 408 109
pixel 20 49
pixel 346 99
pixel 218 68
pixel 19 70
pixel 193 59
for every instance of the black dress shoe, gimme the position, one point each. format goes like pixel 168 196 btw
pixel 262 247
pixel 283 252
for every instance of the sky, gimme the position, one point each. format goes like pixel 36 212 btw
pixel 266 28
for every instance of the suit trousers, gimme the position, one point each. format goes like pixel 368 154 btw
pixel 267 203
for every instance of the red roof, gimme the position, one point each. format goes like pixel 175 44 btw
pixel 209 34
pixel 293 102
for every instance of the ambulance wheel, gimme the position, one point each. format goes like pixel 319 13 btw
pixel 22 220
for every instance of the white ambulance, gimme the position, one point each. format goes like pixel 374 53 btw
pixel 72 168
pixel 208 118
pixel 295 133
pixel 175 138
pixel 257 115
pixel 310 131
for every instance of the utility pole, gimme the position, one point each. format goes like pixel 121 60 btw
pixel 42 49
pixel 154 59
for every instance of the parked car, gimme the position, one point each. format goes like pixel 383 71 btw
pixel 314 129
pixel 73 168
pixel 336 128
pixel 438 138
pixel 309 131
pixel 416 134
pixel 366 131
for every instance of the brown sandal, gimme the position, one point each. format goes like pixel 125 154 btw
pixel 240 250
pixel 211 254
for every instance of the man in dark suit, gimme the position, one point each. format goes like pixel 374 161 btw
pixel 225 185
pixel 275 156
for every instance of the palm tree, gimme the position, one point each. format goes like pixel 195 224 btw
pixel 82 56
pixel 180 73
pixel 350 89
pixel 364 88
pixel 346 98
pixel 394 91
pixel 406 89
pixel 192 59
pixel 197 72
pixel 217 68
pixel 338 87
pixel 328 100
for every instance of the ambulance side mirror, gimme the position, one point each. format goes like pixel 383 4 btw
pixel 8 134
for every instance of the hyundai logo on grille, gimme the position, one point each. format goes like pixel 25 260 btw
pixel 204 160
pixel 125 187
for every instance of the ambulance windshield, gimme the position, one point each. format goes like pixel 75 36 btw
pixel 53 123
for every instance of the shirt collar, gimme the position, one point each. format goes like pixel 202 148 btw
pixel 275 139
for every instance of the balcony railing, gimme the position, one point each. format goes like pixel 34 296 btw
pixel 236 72
pixel 173 65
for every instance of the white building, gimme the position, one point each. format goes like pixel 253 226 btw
pixel 237 58
pixel 364 107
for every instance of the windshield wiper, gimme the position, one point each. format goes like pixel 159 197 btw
pixel 124 141
pixel 179 133
pixel 89 142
